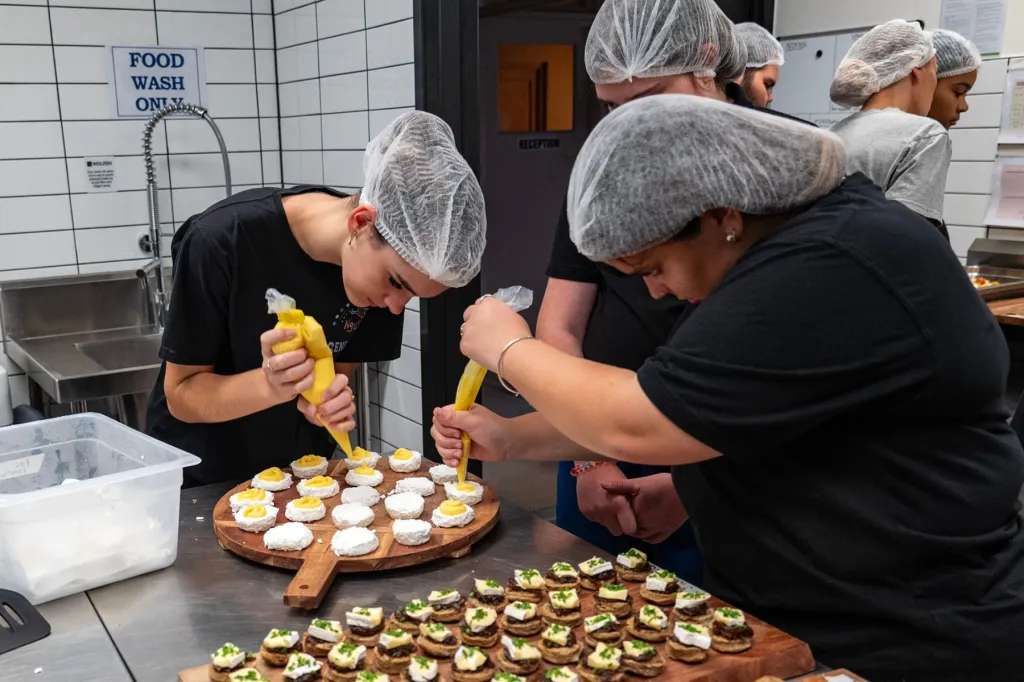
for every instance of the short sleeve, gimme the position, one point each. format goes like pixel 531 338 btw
pixel 802 337
pixel 196 332
pixel 919 181
pixel 378 338
pixel 566 260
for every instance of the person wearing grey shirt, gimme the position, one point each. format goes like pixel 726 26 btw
pixel 890 73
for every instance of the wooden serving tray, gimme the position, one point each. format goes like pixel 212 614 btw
pixel 317 565
pixel 774 653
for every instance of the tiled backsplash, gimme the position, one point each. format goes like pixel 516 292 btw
pixel 345 70
pixel 340 69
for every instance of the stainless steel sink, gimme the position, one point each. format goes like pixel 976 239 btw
pixel 120 354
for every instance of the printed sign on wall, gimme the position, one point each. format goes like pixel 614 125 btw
pixel 144 79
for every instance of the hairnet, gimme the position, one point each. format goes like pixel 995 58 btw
pixel 762 47
pixel 653 38
pixel 430 207
pixel 955 54
pixel 884 55
pixel 655 164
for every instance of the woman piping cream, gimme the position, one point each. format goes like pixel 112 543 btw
pixel 839 443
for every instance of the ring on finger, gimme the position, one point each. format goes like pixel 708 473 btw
pixel 267 366
pixel 484 296
pixel 462 329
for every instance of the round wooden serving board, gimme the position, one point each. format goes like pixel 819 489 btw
pixel 317 565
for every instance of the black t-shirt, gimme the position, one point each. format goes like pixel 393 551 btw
pixel 866 499
pixel 626 325
pixel 225 259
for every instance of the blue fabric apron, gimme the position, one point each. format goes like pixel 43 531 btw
pixel 679 553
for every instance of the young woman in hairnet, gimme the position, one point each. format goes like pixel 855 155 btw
pixel 833 410
pixel 890 73
pixel 635 48
pixel 957 64
pixel 764 57
pixel 351 261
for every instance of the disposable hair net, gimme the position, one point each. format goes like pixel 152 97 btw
pixel 884 55
pixel 430 207
pixel 654 38
pixel 655 164
pixel 762 47
pixel 955 54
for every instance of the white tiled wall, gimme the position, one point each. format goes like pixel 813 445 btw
pixel 395 395
pixel 345 70
pixel 55 109
pixel 969 183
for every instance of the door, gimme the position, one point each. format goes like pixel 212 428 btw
pixel 534 112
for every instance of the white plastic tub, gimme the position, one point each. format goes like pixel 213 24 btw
pixel 85 501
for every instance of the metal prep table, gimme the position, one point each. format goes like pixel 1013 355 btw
pixel 172 619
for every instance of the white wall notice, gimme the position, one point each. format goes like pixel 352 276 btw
pixel 1006 207
pixel 145 79
pixel 1011 130
pixel 100 173
pixel 982 21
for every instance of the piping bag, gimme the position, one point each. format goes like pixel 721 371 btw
pixel 518 299
pixel 309 335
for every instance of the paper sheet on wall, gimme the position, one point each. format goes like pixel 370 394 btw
pixel 1011 130
pixel 982 21
pixel 1006 206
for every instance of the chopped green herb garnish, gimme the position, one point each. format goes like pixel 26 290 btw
pixel 435 627
pixel 690 628
pixel 228 650
pixel 522 605
pixel 649 611
pixel 612 587
pixel 530 574
pixel 555 629
pixel 730 613
pixel 607 653
pixel 368 676
pixel 518 642
pixel 594 562
pixel 492 583
pixel 635 554
pixel 603 618
pixel 415 606
pixel 560 566
pixel 361 611
pixel 553 673
pixel 507 677
pixel 280 633
pixel 642 646
pixel 251 675
pixel 422 662
pixel 347 648
pixel 445 593
pixel 322 624
pixel 471 649
pixel 664 575
pixel 562 595
pixel 396 633
pixel 479 614
pixel 694 595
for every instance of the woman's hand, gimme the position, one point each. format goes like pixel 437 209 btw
pixel 656 504
pixel 486 430
pixel 338 409
pixel 490 324
pixel 287 374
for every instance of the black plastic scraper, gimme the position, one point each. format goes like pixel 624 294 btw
pixel 20 622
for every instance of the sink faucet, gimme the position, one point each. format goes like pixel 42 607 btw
pixel 150 243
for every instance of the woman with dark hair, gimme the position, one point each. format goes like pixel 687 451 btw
pixel 833 410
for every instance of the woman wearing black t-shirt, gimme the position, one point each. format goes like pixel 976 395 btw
pixel 352 262
pixel 833 408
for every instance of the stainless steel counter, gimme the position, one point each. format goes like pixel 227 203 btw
pixel 170 620
pixel 78 648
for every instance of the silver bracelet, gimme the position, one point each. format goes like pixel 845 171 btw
pixel 501 359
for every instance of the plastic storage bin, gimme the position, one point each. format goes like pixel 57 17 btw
pixel 85 501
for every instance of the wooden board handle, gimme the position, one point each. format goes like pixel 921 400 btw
pixel 311 582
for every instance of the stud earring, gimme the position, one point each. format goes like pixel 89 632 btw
pixel 731 238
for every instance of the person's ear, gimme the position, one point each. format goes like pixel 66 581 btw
pixel 728 221
pixel 361 219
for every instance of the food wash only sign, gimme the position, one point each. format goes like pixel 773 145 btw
pixel 145 79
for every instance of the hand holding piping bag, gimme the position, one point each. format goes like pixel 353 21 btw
pixel 518 299
pixel 310 335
